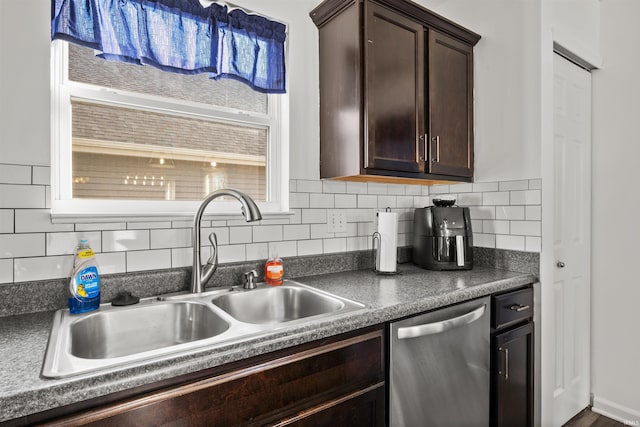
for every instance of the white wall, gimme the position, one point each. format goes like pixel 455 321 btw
pixel 616 202
pixel 24 82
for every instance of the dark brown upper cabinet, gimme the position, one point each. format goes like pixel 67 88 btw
pixel 396 93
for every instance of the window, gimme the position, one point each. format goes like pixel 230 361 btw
pixel 135 140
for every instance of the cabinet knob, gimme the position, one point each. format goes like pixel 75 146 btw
pixel 560 264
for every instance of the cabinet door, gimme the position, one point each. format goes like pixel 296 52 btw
pixel 512 378
pixel 450 71
pixel 394 91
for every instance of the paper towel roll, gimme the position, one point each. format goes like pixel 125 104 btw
pixel 387 256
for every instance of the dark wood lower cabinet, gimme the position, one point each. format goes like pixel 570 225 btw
pixel 335 383
pixel 512 360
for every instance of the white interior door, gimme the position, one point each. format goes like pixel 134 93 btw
pixel 572 239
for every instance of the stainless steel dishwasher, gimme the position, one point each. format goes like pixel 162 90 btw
pixel 439 367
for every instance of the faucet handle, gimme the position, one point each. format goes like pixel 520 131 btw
pixel 249 279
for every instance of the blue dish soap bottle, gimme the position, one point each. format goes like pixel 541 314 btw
pixel 84 284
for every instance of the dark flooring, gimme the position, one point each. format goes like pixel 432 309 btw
pixel 588 418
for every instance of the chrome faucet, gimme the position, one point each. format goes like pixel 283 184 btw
pixel 200 275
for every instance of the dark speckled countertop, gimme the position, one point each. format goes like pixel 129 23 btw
pixel 23 338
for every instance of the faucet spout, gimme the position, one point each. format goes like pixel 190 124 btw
pixel 249 210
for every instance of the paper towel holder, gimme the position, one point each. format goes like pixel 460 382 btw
pixel 377 237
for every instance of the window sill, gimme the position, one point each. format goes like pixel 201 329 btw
pixel 75 218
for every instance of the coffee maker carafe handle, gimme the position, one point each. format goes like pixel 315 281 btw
pixel 460 250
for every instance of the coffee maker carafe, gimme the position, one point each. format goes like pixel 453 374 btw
pixel 443 238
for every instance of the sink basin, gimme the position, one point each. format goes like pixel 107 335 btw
pixel 123 332
pixel 277 304
pixel 157 328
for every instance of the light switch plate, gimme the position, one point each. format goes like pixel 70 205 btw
pixel 336 221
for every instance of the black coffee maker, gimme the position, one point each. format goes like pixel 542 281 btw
pixel 443 238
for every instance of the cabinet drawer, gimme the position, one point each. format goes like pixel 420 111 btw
pixel 512 307
pixel 257 395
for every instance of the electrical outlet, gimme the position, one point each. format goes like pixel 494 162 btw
pixel 336 221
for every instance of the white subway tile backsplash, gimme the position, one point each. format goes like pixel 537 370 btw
pixel 267 233
pixel 181 257
pixel 22 245
pixel 6 270
pixel 41 268
pixel 346 201
pixel 358 243
pixel 15 174
pixel 495 198
pixel 309 247
pixel 421 201
pixel 482 240
pixel 171 238
pixel 66 243
pixel 404 202
pixel 526 228
pixel 376 188
pixel 469 199
pixel 533 213
pixel 148 260
pixel 397 189
pixel 243 234
pixel 482 212
pixel 334 187
pixel 535 184
pixel 314 216
pixel 495 227
pixel 125 240
pixel 514 185
pixel 461 188
pixel 533 244
pixel 41 175
pixel 510 212
pixel 504 214
pixel 307 186
pixel 386 201
pixel 366 228
pixel 512 243
pixel 321 201
pixel 526 197
pixel 299 200
pixel 283 249
pixel 232 253
pixel 357 187
pixel 112 262
pixel 297 232
pixel 6 221
pixel 335 245
pixel 22 196
pixel 439 189
pixel 360 215
pixel 296 216
pixel 413 190
pixel 481 187
pixel 222 235
pixel 257 251
pixel 320 231
pixel 367 201
pixel 36 220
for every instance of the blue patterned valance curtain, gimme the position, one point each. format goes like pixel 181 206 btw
pixel 179 36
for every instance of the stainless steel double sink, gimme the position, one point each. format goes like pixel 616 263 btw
pixel 162 327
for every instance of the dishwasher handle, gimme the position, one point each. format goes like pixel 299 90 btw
pixel 441 326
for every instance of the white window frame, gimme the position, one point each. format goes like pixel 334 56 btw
pixel 66 209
